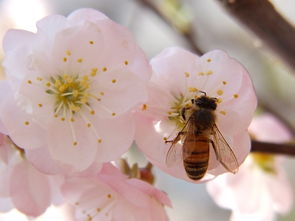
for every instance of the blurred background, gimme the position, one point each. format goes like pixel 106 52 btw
pixel 209 26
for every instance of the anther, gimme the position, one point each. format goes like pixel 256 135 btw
pixel 219 92
pixel 144 107
pixel 186 74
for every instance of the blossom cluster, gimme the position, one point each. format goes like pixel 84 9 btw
pixel 261 179
pixel 79 92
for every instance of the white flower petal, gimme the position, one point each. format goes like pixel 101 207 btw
pixel 21 125
pixel 75 147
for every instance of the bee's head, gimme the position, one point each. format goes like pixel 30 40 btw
pixel 205 102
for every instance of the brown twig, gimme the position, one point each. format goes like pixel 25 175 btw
pixel 273 148
pixel 261 17
pixel 189 37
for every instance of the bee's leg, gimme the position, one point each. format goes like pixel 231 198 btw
pixel 215 150
pixel 177 138
pixel 183 110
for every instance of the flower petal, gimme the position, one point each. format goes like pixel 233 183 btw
pixel 72 146
pixel 30 191
pixel 20 122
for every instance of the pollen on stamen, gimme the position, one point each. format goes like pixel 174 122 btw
pixel 65 59
pixel 29 82
pixel 62 119
pixel 219 92
pixel 209 72
pixel 92 112
pixel 104 69
pixel 93 72
pixel 126 62
pixel 68 53
pixel 101 93
pixel 201 73
pixel 113 114
pixel 186 74
pixel 89 124
pixel 224 82
pixel 222 112
pixel 144 107
pixel 209 60
pixel 75 143
pixel 219 100
pixel 192 89
pixel 48 84
pixel 235 95
pixel 72 119
pixel 40 105
pixel 27 123
pixel 55 115
pixel 80 60
pixel 114 81
pixel 99 140
pixel 91 42
pixel 109 196
pixel 165 138
pixel 39 78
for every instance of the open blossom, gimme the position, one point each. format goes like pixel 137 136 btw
pixel 22 186
pixel 180 76
pixel 260 189
pixel 110 195
pixel 72 86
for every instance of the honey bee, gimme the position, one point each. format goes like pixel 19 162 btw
pixel 198 134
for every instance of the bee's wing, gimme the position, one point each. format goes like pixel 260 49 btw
pixel 223 151
pixel 174 154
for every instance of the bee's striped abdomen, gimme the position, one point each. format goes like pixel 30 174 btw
pixel 195 157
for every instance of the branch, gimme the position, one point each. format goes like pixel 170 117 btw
pixel 261 17
pixel 189 36
pixel 273 148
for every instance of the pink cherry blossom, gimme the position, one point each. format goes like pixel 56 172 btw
pixel 180 76
pixel 72 86
pixel 110 195
pixel 22 186
pixel 260 189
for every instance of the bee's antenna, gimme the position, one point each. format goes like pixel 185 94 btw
pixel 203 92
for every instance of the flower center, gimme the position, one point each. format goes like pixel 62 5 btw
pixel 175 113
pixel 265 162
pixel 70 92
